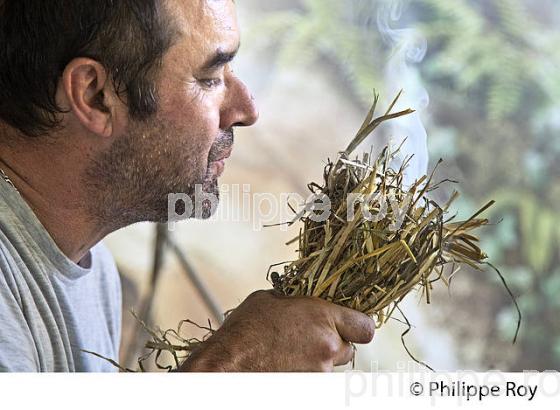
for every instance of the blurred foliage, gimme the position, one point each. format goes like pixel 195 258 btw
pixel 327 30
pixel 493 72
pixel 495 48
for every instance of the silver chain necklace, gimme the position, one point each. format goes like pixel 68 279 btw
pixel 7 179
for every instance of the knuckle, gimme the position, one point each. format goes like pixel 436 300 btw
pixel 329 348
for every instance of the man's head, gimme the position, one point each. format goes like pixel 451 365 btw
pixel 141 87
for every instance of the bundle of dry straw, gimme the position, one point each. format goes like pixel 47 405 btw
pixel 371 260
pixel 367 254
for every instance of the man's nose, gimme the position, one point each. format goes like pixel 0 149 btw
pixel 240 109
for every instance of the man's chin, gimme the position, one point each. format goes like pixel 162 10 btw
pixel 209 201
pixel 196 202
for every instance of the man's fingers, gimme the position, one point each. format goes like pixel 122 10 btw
pixel 345 354
pixel 354 326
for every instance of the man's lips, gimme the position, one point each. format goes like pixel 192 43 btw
pixel 223 156
pixel 218 164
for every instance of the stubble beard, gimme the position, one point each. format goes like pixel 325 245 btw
pixel 131 181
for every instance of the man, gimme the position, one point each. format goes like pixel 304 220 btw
pixel 107 107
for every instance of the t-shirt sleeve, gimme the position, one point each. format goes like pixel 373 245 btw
pixel 17 348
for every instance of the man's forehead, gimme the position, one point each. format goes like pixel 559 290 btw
pixel 207 33
pixel 196 16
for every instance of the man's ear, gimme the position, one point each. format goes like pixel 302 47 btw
pixel 90 95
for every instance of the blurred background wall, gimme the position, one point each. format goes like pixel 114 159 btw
pixel 491 72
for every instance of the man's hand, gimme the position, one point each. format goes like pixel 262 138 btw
pixel 274 333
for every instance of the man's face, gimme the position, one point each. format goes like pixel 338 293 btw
pixel 186 142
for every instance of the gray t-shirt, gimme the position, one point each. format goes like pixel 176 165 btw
pixel 50 307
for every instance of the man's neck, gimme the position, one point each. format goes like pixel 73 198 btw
pixel 50 182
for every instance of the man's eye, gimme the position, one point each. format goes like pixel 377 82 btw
pixel 211 82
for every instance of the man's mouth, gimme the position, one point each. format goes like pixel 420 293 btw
pixel 225 155
pixel 219 152
pixel 217 166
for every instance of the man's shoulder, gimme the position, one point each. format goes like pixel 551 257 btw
pixel 7 256
pixel 19 257
pixel 17 247
pixel 9 287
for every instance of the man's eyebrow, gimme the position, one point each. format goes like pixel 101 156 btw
pixel 219 59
